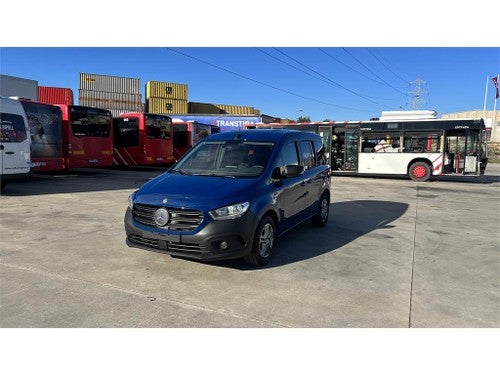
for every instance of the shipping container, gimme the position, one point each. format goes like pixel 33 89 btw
pixel 224 122
pixel 111 100
pixel 166 90
pixel 212 108
pixel 236 109
pixel 166 106
pixel 18 87
pixel 204 108
pixel 55 95
pixel 98 82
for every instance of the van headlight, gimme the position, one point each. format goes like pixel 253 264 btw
pixel 131 198
pixel 230 212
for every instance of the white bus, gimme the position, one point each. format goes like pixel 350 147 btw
pixel 15 141
pixel 418 148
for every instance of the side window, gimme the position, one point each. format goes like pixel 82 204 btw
pixel 288 155
pixel 421 142
pixel 12 128
pixel 307 154
pixel 320 149
pixel 380 142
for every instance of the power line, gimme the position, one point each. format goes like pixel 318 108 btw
pixel 261 83
pixel 349 67
pixel 328 79
pixel 290 65
pixel 367 68
pixel 356 71
pixel 387 67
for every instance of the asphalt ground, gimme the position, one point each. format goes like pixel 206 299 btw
pixel 395 253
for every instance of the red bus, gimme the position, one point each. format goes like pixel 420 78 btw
pixel 46 129
pixel 187 134
pixel 142 139
pixel 87 136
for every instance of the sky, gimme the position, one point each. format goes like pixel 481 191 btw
pixel 335 83
pixel 347 62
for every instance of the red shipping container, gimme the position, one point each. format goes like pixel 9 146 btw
pixel 55 95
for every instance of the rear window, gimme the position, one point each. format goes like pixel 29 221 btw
pixel 12 128
pixel 126 132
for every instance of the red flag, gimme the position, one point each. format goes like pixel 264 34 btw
pixel 495 82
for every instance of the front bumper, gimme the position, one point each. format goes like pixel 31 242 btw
pixel 204 244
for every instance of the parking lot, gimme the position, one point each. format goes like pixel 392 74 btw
pixel 394 253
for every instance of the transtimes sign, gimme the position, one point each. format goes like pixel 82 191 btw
pixel 225 122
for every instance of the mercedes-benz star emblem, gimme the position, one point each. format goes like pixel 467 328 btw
pixel 162 216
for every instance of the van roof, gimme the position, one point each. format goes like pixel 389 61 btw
pixel 271 135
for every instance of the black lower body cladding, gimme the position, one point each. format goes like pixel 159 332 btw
pixel 219 239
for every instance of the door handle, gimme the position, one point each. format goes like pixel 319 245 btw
pixel 9 152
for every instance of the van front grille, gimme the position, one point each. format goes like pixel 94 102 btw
pixel 180 219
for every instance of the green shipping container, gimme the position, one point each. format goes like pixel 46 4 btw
pixel 166 106
pixel 166 90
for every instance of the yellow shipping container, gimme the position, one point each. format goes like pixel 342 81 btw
pixel 166 106
pixel 236 109
pixel 204 108
pixel 218 109
pixel 166 90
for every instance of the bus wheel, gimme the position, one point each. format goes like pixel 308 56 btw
pixel 420 171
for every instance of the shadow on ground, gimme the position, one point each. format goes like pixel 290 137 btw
pixel 348 221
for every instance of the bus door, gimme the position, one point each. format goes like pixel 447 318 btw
pixel 325 133
pixel 337 154
pixel 351 147
pixel 463 151
pixel 455 146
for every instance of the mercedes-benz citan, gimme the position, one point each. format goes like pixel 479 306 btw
pixel 232 195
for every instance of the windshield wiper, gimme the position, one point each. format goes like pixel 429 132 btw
pixel 180 171
pixel 220 175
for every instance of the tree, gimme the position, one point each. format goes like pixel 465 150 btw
pixel 304 119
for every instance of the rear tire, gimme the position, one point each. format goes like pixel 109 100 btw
pixel 321 217
pixel 263 243
pixel 419 171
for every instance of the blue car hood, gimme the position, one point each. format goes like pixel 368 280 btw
pixel 197 192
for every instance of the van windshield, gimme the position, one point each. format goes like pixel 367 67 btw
pixel 226 159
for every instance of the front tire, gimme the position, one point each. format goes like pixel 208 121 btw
pixel 321 217
pixel 419 171
pixel 263 243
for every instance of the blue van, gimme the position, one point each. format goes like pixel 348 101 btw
pixel 232 196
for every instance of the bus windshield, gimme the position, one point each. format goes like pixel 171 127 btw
pixel 90 122
pixel 126 132
pixel 158 126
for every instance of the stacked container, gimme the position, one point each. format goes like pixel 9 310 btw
pixel 116 94
pixel 221 109
pixel 55 95
pixel 166 97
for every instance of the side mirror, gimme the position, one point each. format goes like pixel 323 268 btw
pixel 293 171
pixel 289 171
